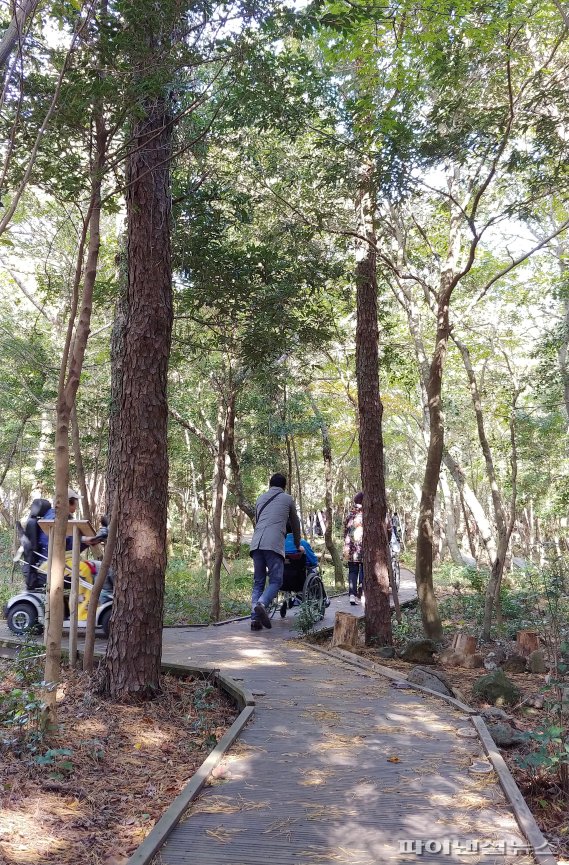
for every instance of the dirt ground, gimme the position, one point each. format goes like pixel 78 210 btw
pixel 120 769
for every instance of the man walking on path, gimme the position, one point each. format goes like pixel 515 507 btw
pixel 273 510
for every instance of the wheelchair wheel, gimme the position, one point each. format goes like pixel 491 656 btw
pixel 314 593
pixel 274 607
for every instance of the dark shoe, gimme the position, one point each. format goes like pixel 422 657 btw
pixel 256 626
pixel 263 616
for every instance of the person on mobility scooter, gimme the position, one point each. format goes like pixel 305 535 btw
pixel 26 611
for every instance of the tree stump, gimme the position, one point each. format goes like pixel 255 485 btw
pixel 528 642
pixel 345 630
pixel 464 644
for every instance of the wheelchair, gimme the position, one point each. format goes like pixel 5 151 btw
pixel 301 584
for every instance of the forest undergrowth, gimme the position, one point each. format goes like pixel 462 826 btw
pixel 92 791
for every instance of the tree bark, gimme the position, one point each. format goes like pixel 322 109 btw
pixel 299 488
pixel 339 581
pixel 117 363
pixel 15 30
pixel 469 498
pixel 78 459
pixel 69 377
pixel 225 419
pixel 425 535
pixel 88 652
pixel 494 583
pixel 345 630
pixel 375 545
pixel 135 644
pixel 527 642
pixel 450 526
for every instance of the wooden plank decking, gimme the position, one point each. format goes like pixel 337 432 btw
pixel 336 767
pixel 311 782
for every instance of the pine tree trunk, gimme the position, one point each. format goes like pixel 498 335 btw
pixel 117 361
pixel 375 545
pixel 135 643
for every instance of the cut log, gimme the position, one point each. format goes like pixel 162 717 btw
pixel 464 644
pixel 528 642
pixel 345 630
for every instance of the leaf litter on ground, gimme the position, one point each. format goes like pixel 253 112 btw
pixel 127 764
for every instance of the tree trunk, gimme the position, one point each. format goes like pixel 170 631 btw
pixel 469 498
pixel 527 642
pixel 504 535
pixel 345 630
pixel 117 363
pixel 339 581
pixel 299 488
pixel 464 644
pixel 86 509
pixel 450 533
pixel 69 377
pixel 224 420
pixel 425 534
pixel 246 507
pixel 14 33
pixel 375 545
pixel 88 651
pixel 135 644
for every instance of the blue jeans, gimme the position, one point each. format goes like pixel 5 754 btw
pixel 266 561
pixel 355 578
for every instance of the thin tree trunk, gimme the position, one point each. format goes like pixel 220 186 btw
pixel 375 545
pixel 69 377
pixel 299 488
pixel 219 494
pixel 450 533
pixel 135 643
pixel 78 459
pixel 208 540
pixel 14 33
pixel 13 449
pixel 425 535
pixel 495 581
pixel 89 649
pixel 469 498
pixel 339 581
pixel 237 481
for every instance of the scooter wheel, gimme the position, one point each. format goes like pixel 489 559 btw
pixel 23 618
pixel 104 621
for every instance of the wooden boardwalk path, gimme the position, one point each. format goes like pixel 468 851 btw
pixel 337 767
